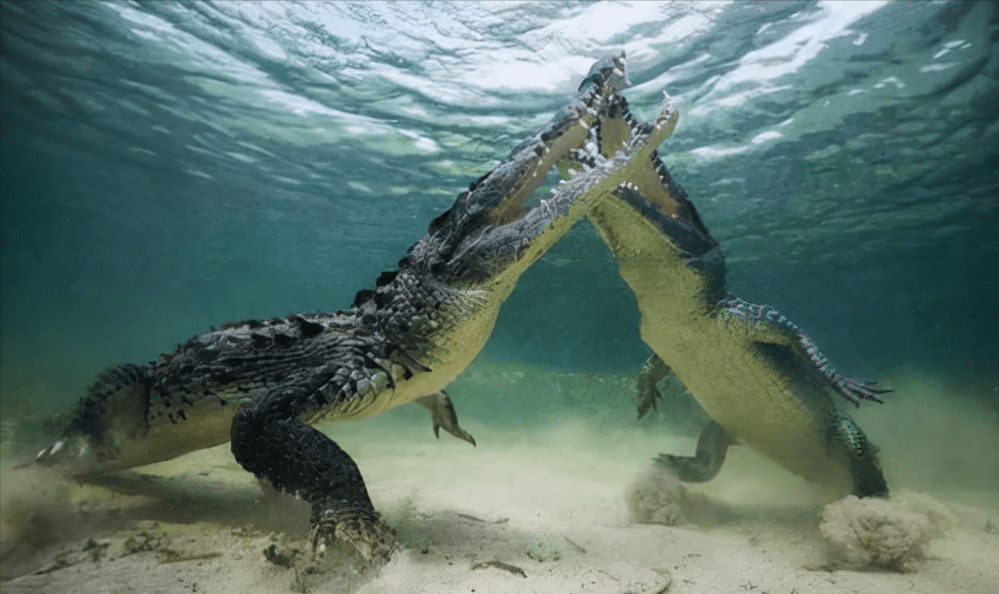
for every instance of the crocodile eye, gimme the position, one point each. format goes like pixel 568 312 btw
pixel 386 277
pixel 307 328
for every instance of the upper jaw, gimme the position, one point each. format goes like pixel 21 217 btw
pixel 492 225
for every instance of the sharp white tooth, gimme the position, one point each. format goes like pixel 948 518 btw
pixel 56 447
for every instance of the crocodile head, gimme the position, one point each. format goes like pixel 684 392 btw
pixel 492 233
pixel 658 200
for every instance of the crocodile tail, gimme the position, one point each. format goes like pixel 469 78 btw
pixel 868 480
pixel 114 407
pixel 88 419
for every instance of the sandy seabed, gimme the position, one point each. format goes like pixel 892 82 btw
pixel 570 506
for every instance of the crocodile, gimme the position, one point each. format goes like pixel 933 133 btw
pixel 758 377
pixel 261 385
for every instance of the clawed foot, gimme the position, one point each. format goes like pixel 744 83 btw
pixel 363 530
pixel 444 416
pixel 648 397
pixel 673 464
pixel 688 469
pixel 856 390
pixel 712 445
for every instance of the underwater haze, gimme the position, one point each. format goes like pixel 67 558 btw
pixel 171 166
pixel 167 167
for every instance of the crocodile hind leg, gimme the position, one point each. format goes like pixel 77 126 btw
pixel 868 480
pixel 298 459
pixel 712 445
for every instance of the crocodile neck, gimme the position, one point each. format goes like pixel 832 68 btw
pixel 448 324
pixel 444 336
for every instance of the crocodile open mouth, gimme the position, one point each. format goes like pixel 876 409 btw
pixel 566 141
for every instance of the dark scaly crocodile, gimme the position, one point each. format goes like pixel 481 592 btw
pixel 756 375
pixel 261 384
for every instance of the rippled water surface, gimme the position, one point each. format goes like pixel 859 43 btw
pixel 170 166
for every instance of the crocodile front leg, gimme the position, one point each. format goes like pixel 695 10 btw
pixel 653 371
pixel 712 444
pixel 300 460
pixel 444 416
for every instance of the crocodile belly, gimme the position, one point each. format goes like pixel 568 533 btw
pixel 758 404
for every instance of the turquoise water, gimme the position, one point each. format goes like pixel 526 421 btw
pixel 168 167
